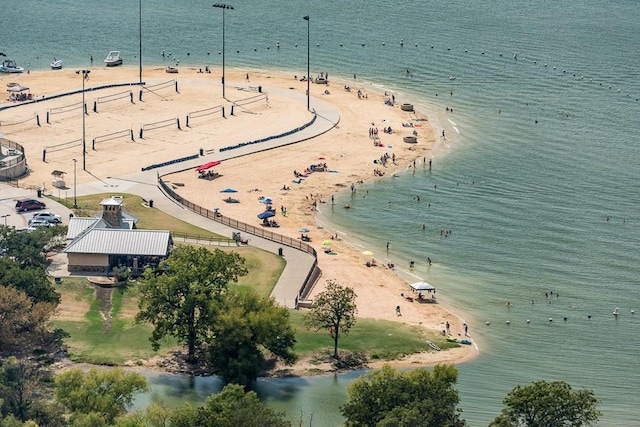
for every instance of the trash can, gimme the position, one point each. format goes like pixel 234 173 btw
pixel 202 151
pixel 150 203
pixel 260 89
pixel 280 251
pixel 39 192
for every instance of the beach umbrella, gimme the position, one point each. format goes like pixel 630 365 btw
pixel 304 230
pixel 327 242
pixel 266 214
pixel 229 190
pixel 367 253
pixel 207 165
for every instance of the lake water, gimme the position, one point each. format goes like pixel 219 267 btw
pixel 537 179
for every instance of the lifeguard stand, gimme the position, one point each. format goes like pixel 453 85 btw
pixel 58 179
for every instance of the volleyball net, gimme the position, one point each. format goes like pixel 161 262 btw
pixel 125 95
pixel 65 109
pixel 250 101
pixel 57 149
pixel 158 125
pixel 100 139
pixel 209 113
pixel 160 88
pixel 6 123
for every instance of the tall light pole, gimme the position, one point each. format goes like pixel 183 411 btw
pixel 223 7
pixel 75 200
pixel 306 18
pixel 140 32
pixel 85 76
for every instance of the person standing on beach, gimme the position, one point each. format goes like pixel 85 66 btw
pixel 398 313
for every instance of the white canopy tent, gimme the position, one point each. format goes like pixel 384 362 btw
pixel 422 287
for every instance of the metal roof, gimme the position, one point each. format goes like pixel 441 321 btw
pixel 78 225
pixel 122 242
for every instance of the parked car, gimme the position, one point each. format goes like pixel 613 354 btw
pixel 29 205
pixel 38 223
pixel 49 217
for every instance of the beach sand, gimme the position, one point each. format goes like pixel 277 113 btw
pixel 346 149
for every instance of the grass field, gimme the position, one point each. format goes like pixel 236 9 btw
pixel 378 339
pixel 125 341
pixel 149 219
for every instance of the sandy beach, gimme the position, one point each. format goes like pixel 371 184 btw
pixel 350 153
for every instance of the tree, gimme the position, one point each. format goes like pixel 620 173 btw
pixel 232 407
pixel 333 310
pixel 23 321
pixel 388 397
pixel 18 387
pixel 105 393
pixel 243 329
pixel 32 280
pixel 180 298
pixel 548 404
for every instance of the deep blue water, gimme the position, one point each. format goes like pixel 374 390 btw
pixel 527 202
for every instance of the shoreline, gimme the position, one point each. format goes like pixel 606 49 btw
pixel 345 148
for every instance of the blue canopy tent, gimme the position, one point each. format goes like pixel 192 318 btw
pixel 266 214
pixel 229 190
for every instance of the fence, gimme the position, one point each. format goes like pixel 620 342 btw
pixel 127 94
pixel 209 240
pixel 314 273
pixel 16 164
pixel 269 138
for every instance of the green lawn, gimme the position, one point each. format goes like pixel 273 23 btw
pixel 379 339
pixel 149 218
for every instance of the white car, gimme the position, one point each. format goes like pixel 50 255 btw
pixel 37 223
pixel 48 217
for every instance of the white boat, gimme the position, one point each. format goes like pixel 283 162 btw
pixel 171 70
pixel 10 66
pixel 56 64
pixel 113 59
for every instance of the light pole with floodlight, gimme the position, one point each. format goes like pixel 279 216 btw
pixel 75 200
pixel 85 76
pixel 223 7
pixel 306 18
pixel 140 33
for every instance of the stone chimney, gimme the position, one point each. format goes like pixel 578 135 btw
pixel 112 211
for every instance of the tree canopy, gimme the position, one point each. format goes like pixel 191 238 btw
pixel 232 407
pixel 181 298
pixel 548 404
pixel 246 326
pixel 388 397
pixel 96 395
pixel 22 321
pixel 333 310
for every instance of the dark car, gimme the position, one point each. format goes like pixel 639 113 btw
pixel 29 205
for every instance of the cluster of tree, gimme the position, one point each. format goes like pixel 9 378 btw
pixel 189 298
pixel 27 296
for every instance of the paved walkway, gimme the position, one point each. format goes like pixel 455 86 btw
pixel 145 185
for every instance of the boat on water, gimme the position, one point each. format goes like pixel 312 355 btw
pixel 56 64
pixel 113 59
pixel 10 66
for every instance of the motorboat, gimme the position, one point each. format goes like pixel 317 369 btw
pixel 113 59
pixel 10 66
pixel 56 64
pixel 171 70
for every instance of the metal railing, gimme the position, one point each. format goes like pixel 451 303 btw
pixel 314 273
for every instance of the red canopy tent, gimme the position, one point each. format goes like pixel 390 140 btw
pixel 207 166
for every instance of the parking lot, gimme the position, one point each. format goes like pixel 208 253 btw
pixel 19 220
